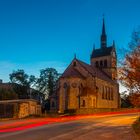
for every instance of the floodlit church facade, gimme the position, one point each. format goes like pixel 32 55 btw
pixel 91 85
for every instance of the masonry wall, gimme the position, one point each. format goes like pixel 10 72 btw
pixel 73 92
pixel 107 103
pixel 19 108
pixel 28 108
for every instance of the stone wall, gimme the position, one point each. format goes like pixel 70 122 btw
pixel 23 110
pixel 88 111
pixel 29 108
pixel 19 108
pixel 92 97
pixel 72 93
pixel 106 103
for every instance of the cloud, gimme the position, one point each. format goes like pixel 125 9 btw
pixel 6 67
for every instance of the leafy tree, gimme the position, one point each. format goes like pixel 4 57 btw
pixel 135 99
pixel 130 70
pixel 25 81
pixel 47 81
pixel 125 100
pixel 21 78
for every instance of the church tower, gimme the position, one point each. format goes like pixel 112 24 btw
pixel 105 57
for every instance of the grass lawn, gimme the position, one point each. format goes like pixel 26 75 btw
pixel 136 127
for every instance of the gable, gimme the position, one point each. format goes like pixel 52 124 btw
pixel 71 71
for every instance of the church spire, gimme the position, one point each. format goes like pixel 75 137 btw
pixel 103 36
pixel 103 27
pixel 75 56
pixel 113 43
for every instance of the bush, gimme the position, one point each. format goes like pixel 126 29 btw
pixel 136 127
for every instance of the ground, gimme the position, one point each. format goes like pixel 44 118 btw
pixel 110 127
pixel 136 126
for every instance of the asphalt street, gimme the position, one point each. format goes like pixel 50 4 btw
pixel 116 127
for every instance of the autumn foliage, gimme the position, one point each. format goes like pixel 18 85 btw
pixel 135 99
pixel 129 73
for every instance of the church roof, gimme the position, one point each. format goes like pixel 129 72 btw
pixel 102 52
pixel 96 72
pixel 72 71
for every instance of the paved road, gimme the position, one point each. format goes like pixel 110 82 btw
pixel 117 127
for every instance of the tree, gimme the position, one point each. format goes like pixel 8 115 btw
pixel 125 100
pixel 22 83
pixel 47 81
pixel 135 99
pixel 130 70
pixel 21 78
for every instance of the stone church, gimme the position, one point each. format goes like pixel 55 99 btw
pixel 91 85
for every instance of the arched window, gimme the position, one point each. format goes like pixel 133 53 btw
pixel 106 92
pixel 80 89
pixel 97 64
pixel 101 63
pixel 84 103
pixel 53 104
pixel 103 93
pixel 105 63
pixel 109 93
pixel 66 95
pixel 94 103
pixel 74 64
pixel 65 85
pixel 112 94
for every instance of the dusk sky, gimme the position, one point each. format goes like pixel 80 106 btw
pixel 36 34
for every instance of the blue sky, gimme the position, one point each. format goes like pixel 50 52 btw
pixel 36 34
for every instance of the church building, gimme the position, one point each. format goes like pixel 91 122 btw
pixel 91 85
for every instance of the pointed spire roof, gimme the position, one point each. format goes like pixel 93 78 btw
pixel 103 27
pixel 103 36
pixel 75 56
